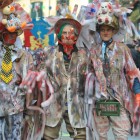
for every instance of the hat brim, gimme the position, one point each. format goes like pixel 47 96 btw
pixel 114 24
pixel 65 21
pixel 99 25
pixel 5 3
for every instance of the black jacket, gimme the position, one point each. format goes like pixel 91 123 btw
pixel 136 57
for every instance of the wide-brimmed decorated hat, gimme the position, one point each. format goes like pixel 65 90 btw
pixel 65 21
pixel 114 23
pixel 7 37
pixel 4 3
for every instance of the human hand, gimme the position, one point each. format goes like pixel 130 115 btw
pixel 29 82
pixel 45 82
pixel 136 119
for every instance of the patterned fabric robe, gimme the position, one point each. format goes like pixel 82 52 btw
pixel 69 85
pixel 11 98
pixel 123 71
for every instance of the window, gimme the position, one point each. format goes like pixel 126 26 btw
pixel 61 4
pixel 36 10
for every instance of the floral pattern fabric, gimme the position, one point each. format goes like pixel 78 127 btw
pixel 123 71
pixel 11 127
pixel 68 86
pixel 11 97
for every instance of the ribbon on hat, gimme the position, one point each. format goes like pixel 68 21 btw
pixel 6 68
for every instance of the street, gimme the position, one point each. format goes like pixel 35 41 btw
pixel 65 136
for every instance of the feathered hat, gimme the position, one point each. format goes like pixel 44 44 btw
pixel 114 15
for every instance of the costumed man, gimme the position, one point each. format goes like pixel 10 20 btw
pixel 14 64
pixel 121 74
pixel 65 67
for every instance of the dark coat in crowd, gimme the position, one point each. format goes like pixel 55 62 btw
pixel 136 57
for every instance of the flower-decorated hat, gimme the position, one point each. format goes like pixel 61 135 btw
pixel 7 37
pixel 105 16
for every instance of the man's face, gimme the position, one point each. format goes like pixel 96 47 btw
pixel 106 32
pixel 68 36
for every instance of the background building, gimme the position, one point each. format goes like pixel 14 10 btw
pixel 48 7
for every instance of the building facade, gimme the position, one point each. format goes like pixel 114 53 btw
pixel 48 7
